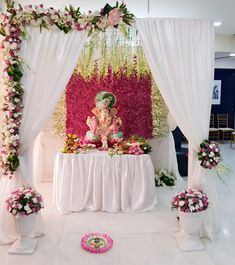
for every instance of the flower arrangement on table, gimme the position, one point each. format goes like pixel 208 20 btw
pixel 164 178
pixel 73 144
pixel 190 200
pixel 24 201
pixel 134 145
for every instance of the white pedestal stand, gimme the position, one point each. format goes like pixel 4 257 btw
pixel 24 245
pixel 190 224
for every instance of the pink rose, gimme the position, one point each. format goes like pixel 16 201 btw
pixel 114 17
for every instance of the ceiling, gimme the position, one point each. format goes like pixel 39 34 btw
pixel 224 55
pixel 214 10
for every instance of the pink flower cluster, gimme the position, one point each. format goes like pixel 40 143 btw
pixel 87 245
pixel 190 200
pixel 135 150
pixel 133 95
pixel 114 17
pixel 209 154
pixel 24 201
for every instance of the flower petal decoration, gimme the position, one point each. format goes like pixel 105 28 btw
pixel 96 243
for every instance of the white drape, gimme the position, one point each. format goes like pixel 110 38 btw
pixel 163 151
pixel 51 56
pixel 180 55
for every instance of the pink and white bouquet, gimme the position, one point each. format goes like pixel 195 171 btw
pixel 209 154
pixel 24 201
pixel 190 200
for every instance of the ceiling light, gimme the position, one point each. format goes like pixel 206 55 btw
pixel 217 23
pixel 232 54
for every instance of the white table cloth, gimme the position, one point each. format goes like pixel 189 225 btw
pixel 97 181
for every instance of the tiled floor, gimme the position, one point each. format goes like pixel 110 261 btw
pixel 139 239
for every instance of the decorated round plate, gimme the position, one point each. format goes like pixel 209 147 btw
pixel 96 242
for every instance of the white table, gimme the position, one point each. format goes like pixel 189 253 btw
pixel 97 181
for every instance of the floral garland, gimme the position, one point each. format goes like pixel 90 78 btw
pixel 13 28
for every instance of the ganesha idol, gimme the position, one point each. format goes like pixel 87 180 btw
pixel 104 125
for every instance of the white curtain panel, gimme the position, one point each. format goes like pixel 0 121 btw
pixel 45 149
pixel 180 53
pixel 163 151
pixel 51 57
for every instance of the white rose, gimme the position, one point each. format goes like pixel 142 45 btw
pixel 181 203
pixel 27 209
pixel 192 208
pixel 204 154
pixel 34 200
pixel 190 201
pixel 27 195
pixel 211 154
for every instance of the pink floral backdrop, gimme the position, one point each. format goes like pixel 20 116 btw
pixel 133 95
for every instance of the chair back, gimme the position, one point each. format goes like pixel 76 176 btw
pixel 212 121
pixel 222 120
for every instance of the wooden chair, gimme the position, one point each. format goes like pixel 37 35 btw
pixel 213 132
pixel 222 120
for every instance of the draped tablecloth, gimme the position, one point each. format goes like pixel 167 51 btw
pixel 97 181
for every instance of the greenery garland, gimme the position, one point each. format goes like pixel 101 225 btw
pixel 159 113
pixel 13 29
pixel 59 117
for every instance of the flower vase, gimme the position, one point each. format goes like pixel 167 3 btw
pixel 190 224
pixel 24 227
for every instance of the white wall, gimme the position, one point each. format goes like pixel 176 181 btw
pixel 224 43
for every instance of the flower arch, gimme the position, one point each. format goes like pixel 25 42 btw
pixel 13 29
